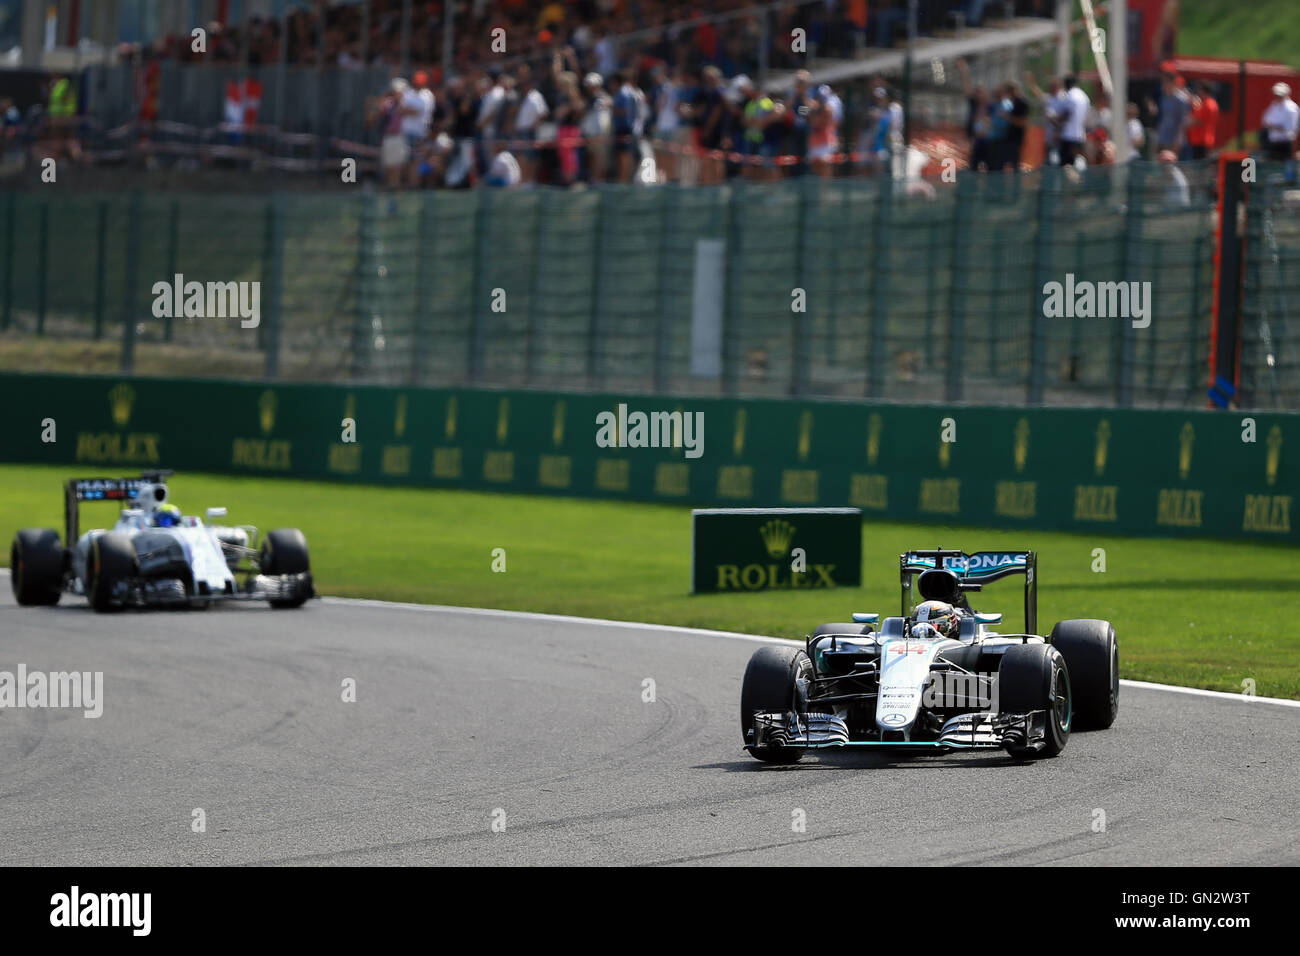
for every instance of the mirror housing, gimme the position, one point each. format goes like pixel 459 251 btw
pixel 215 513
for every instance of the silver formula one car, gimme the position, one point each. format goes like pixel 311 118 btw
pixel 155 556
pixel 938 676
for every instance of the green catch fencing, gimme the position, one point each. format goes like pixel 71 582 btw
pixel 843 288
pixel 1107 471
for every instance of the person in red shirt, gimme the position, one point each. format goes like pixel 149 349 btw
pixel 1202 123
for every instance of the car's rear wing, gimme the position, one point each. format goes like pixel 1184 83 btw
pixel 77 490
pixel 973 571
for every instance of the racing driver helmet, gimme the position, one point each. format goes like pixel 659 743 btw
pixel 940 615
pixel 167 516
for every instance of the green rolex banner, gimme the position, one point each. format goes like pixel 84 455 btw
pixel 762 549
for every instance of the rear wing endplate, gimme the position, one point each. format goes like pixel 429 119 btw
pixel 77 490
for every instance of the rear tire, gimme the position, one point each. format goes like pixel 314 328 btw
pixel 772 685
pixel 284 551
pixel 111 561
pixel 1092 654
pixel 36 563
pixel 1035 677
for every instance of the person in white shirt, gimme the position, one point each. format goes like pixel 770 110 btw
pixel 1074 106
pixel 529 113
pixel 1281 124
pixel 1137 135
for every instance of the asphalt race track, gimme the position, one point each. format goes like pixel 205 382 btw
pixel 461 716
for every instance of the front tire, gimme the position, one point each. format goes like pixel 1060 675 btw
pixel 112 561
pixel 1034 677
pixel 1092 654
pixel 36 563
pixel 284 551
pixel 773 685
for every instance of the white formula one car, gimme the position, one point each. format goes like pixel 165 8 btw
pixel 155 556
pixel 937 676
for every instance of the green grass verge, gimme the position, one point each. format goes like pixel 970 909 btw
pixel 1200 613
pixel 1258 30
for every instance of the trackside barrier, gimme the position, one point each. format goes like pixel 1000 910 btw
pixel 1102 470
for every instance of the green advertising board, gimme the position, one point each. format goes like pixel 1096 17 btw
pixel 1105 470
pixel 762 549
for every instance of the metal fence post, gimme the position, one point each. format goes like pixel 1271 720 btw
pixel 132 280
pixel 801 366
pixel 11 225
pixel 362 320
pixel 667 198
pixel 1194 357
pixel 730 291
pixel 101 265
pixel 1126 345
pixel 1049 186
pixel 173 241
pixel 426 254
pixel 535 286
pixel 42 265
pixel 593 323
pixel 477 328
pixel 275 281
pixel 876 358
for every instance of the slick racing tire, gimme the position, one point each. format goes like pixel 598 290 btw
pixel 36 563
pixel 284 551
pixel 110 562
pixel 1092 655
pixel 774 683
pixel 1035 677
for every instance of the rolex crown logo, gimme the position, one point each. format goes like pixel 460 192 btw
pixel 777 535
pixel 266 411
pixel 1103 444
pixel 1022 444
pixel 120 399
pixel 1274 454
pixel 1185 439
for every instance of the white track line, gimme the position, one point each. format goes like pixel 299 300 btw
pixel 732 635
pixel 704 632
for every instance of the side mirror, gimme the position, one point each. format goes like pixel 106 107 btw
pixel 861 618
pixel 981 618
pixel 216 513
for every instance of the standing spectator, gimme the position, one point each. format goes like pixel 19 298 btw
pixel 1204 122
pixel 1016 108
pixel 464 105
pixel 597 126
pixel 1171 113
pixel 1281 123
pixel 709 113
pixel 492 110
pixel 529 112
pixel 629 113
pixel 417 104
pixel 1137 134
pixel 979 122
pixel 665 95
pixel 569 109
pixel 803 106
pixel 1073 122
pixel 824 131
pixel 1177 191
pixel 394 150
